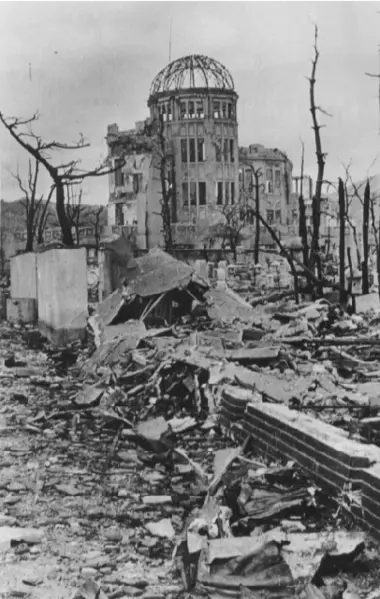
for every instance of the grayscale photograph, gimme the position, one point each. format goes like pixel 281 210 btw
pixel 189 300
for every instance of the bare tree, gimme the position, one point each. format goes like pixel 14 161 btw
pixel 167 179
pixel 257 187
pixel 35 207
pixel 75 210
pixel 315 258
pixel 94 219
pixel 351 191
pixel 375 225
pixel 342 231
pixel 44 214
pixel 366 208
pixel 250 195
pixel 21 130
pixel 302 212
pixel 235 217
pixel 365 201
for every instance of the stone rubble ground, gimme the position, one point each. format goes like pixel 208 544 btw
pixel 100 509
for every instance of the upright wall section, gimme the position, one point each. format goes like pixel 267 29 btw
pixel 62 294
pixel 24 276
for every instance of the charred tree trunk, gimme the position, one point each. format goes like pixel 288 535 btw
pixel 356 241
pixel 353 299
pixel 302 230
pixel 29 235
pixel 366 203
pixel 43 218
pixel 147 240
pixel 315 258
pixel 257 228
pixel 67 237
pixel 165 192
pixel 342 251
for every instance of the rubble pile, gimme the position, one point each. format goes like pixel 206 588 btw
pixel 143 456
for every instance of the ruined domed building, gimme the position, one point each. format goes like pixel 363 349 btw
pixel 195 100
pixel 191 136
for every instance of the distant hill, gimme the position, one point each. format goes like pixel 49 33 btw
pixel 13 215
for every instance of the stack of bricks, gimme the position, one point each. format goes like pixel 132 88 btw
pixel 234 403
pixel 332 459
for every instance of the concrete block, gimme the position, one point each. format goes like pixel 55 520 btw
pixel 62 294
pixel 21 310
pixel 24 276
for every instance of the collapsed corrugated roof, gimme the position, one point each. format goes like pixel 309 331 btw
pixel 157 272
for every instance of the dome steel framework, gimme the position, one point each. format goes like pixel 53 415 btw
pixel 192 72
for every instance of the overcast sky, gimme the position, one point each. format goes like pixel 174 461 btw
pixel 92 64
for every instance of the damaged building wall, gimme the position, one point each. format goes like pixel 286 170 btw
pixel 277 200
pixel 201 128
pixel 135 191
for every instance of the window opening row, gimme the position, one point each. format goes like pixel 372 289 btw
pixel 195 109
pixel 194 193
pixel 225 192
pixel 193 150
pixel 225 150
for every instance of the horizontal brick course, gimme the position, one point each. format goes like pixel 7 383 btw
pixel 321 449
pixel 333 461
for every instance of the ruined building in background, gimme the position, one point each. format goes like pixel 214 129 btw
pixel 269 173
pixel 194 103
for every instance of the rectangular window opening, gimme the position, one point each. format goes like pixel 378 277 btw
pixel 241 179
pixel 216 110
pixel 201 149
pixel 232 192
pixel 136 183
pixel 218 150
pixel 119 215
pixel 225 150
pixel 232 148
pixel 219 193
pixel 227 192
pixel 200 109
pixel 192 150
pixel 277 179
pixel 185 194
pixel 184 150
pixel 191 109
pixel 183 110
pixel 193 193
pixel 202 193
pixel 224 110
pixel 169 112
pixel 119 175
pixel 270 217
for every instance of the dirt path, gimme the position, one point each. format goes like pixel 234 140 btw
pixel 92 523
